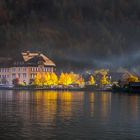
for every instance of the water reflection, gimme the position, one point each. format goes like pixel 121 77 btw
pixel 46 105
pixel 52 113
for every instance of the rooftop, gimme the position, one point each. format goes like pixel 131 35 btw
pixel 27 59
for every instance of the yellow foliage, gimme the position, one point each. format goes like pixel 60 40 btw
pixel 49 79
pixel 70 78
pixel 62 78
pixel 133 78
pixel 104 80
pixel 102 71
pixel 54 79
pixel 91 80
pixel 80 81
pixel 37 79
pixel 65 79
pixel 128 77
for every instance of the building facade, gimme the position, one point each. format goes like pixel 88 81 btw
pixel 24 67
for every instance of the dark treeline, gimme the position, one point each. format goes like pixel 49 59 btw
pixel 75 33
pixel 110 10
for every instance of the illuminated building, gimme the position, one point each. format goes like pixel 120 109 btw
pixel 24 67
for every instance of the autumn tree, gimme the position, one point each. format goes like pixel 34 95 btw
pixel 62 78
pixel 104 80
pixel 91 80
pixel 80 81
pixel 37 80
pixel 15 81
pixel 54 79
pixel 128 77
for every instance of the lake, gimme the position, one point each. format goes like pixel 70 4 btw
pixel 42 115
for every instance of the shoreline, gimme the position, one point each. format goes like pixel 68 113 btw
pixel 72 89
pixel 56 89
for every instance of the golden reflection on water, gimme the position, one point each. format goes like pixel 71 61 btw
pixel 48 106
pixel 134 106
pixel 102 101
pixel 105 104
pixel 54 103
pixel 92 102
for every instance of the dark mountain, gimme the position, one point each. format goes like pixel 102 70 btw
pixel 75 33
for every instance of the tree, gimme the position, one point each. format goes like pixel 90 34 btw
pixel 80 81
pixel 47 78
pixel 15 81
pixel 91 80
pixel 54 79
pixel 104 80
pixel 133 78
pixel 128 77
pixel 62 78
pixel 37 80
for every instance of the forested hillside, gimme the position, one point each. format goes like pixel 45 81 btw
pixel 75 33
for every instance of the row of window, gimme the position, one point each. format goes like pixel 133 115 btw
pixel 34 69
pixel 12 69
pixel 18 69
pixel 19 75
pixel 24 75
pixel 4 70
pixel 42 69
pixel 4 76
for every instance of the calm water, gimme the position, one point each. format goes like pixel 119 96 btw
pixel 68 115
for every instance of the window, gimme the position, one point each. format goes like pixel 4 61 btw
pixel 24 69
pixel 13 69
pixel 33 69
pixel 24 75
pixel 32 76
pixel 13 75
pixel 46 69
pixel 18 75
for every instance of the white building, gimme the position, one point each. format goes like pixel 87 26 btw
pixel 24 67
